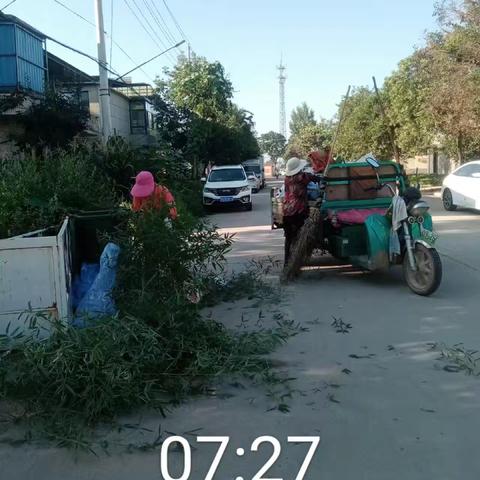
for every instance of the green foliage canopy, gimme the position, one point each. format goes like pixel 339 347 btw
pixel 301 117
pixel 273 144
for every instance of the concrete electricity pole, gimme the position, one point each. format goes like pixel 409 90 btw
pixel 104 90
pixel 283 118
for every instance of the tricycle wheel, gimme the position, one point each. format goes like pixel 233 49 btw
pixel 428 276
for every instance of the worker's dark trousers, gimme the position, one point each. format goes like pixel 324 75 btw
pixel 292 226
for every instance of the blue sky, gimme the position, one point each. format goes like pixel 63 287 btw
pixel 326 44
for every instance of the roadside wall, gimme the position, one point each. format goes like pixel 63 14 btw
pixel 433 163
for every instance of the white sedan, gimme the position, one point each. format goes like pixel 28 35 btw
pixel 462 187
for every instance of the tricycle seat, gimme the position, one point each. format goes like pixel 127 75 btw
pixel 355 216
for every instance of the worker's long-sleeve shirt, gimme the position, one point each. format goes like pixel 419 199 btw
pixel 296 195
pixel 160 197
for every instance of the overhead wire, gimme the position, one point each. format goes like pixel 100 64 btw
pixel 154 15
pixel 7 5
pixel 110 70
pixel 175 21
pixel 66 7
pixel 141 23
pixel 167 28
pixel 153 34
pixel 157 21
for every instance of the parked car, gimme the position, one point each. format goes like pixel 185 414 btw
pixel 256 168
pixel 254 181
pixel 227 185
pixel 462 187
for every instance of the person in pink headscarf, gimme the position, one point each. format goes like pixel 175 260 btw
pixel 148 195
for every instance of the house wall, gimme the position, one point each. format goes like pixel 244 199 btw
pixel 119 107
pixel 22 59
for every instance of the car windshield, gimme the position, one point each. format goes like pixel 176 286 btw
pixel 227 175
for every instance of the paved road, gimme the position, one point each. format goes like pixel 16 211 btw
pixel 400 414
pixel 378 396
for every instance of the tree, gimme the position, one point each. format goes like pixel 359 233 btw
pixel 406 94
pixel 50 122
pixel 309 138
pixel 273 144
pixel 200 87
pixel 364 129
pixel 451 64
pixel 301 116
pixel 196 115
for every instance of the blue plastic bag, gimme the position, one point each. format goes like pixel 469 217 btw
pixel 98 301
pixel 83 282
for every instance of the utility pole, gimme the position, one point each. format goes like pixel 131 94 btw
pixel 104 90
pixel 283 118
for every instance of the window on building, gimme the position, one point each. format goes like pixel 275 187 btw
pixel 84 99
pixel 138 118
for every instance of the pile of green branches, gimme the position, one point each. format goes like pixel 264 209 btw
pixel 154 352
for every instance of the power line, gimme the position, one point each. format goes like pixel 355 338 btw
pixel 66 7
pixel 141 23
pixel 162 19
pixel 153 58
pixel 177 24
pixel 152 29
pixel 7 5
pixel 157 21
pixel 111 32
pixel 97 62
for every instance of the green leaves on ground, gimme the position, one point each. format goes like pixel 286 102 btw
pixel 158 349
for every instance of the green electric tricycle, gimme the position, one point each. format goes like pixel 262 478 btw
pixel 370 217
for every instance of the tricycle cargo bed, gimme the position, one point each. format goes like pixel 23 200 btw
pixel 37 268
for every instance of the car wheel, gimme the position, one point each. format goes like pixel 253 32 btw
pixel 248 207
pixel 447 199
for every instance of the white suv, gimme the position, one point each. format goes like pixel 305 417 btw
pixel 227 185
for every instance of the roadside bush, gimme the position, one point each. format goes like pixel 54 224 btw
pixel 164 263
pixel 427 179
pixel 38 192
pixel 121 162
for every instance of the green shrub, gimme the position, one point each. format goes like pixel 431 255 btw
pixel 164 262
pixel 427 179
pixel 38 192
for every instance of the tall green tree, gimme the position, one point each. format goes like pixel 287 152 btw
pixel 364 129
pixel 309 138
pixel 196 114
pixel 301 117
pixel 273 144
pixel 406 93
pixel 200 87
